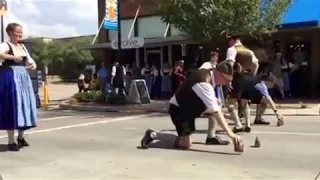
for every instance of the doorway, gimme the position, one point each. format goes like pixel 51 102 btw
pixel 299 53
pixel 154 57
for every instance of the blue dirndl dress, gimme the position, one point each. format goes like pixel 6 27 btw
pixel 17 98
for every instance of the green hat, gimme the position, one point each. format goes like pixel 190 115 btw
pixel 225 67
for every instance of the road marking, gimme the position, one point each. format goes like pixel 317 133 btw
pixel 86 124
pixel 287 133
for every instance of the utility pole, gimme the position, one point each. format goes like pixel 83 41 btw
pixel 3 12
pixel 119 33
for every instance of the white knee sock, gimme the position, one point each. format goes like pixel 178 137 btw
pixel 212 124
pixel 10 136
pixel 235 116
pixel 246 114
pixel 261 108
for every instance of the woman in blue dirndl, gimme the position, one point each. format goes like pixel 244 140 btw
pixel 17 99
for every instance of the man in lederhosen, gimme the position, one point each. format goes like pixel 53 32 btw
pixel 196 96
pixel 237 53
pixel 118 72
pixel 257 93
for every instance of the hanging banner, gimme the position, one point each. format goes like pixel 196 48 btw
pixel 3 7
pixel 111 18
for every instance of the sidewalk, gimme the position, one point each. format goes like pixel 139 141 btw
pixel 162 107
pixel 58 93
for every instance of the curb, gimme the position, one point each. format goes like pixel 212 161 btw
pixel 289 112
pixel 66 106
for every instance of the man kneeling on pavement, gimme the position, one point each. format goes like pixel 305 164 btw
pixel 196 97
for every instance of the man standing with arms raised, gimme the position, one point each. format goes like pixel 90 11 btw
pixel 248 63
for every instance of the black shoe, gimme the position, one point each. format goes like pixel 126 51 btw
pixel 13 147
pixel 238 129
pixel 261 121
pixel 247 129
pixel 147 139
pixel 22 143
pixel 216 141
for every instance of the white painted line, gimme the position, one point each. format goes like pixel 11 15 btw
pixel 287 133
pixel 86 124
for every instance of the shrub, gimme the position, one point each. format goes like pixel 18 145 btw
pixel 92 96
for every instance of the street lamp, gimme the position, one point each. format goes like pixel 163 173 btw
pixel 3 12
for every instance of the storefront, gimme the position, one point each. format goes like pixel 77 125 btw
pixel 299 39
pixel 163 43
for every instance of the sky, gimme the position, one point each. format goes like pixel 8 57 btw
pixel 54 18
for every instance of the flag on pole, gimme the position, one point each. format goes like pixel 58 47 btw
pixel 111 19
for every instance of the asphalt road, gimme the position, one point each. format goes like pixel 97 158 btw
pixel 82 145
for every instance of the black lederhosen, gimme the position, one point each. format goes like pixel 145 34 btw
pixel 183 121
pixel 240 83
pixel 243 85
pixel 190 105
pixel 251 93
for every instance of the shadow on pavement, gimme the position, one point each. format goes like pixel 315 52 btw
pixel 166 141
pixel 195 132
pixel 3 147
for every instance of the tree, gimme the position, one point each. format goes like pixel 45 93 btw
pixel 208 19
pixel 64 58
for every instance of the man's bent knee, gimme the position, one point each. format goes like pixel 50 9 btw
pixel 185 142
pixel 232 104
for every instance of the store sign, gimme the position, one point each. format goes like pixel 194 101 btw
pixel 131 43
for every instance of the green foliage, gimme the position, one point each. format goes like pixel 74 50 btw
pixel 208 19
pixel 92 96
pixel 64 57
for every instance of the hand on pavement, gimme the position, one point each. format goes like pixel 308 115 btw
pixel 238 143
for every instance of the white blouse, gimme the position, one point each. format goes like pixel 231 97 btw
pixel 4 49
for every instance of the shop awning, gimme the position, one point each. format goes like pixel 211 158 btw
pixel 148 42
pixel 302 14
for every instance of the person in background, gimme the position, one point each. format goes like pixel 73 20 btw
pixel 18 104
pixel 94 83
pixel 166 84
pixel 178 75
pixel 128 77
pixel 156 82
pixel 118 73
pixel 103 75
pixel 136 71
pixel 81 83
pixel 146 74
pixel 286 68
